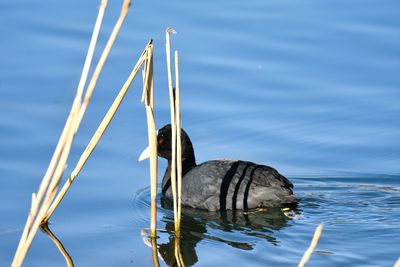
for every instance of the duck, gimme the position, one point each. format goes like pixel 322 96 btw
pixel 222 184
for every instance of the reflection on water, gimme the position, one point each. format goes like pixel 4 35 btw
pixel 196 225
pixel 361 209
pixel 68 259
pixel 309 88
pixel 361 212
pixel 346 206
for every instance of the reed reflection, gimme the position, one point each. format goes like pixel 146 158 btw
pixel 68 260
pixel 258 223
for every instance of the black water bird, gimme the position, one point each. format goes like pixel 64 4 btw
pixel 223 184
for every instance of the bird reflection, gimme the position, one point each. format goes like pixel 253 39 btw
pixel 258 223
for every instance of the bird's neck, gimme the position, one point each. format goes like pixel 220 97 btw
pixel 187 165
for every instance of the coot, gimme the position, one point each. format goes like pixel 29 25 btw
pixel 223 184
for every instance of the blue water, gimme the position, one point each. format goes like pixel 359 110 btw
pixel 307 87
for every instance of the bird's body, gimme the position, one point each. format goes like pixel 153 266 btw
pixel 232 184
pixel 223 184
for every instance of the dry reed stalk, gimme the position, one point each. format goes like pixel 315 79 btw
pixel 52 177
pixel 68 260
pixel 93 81
pixel 92 45
pixel 173 127
pixel 397 264
pixel 20 255
pixel 313 244
pixel 148 100
pixel 96 137
pixel 178 142
pixel 90 89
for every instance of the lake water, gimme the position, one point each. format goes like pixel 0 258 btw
pixel 311 88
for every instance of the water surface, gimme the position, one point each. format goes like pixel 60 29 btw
pixel 309 88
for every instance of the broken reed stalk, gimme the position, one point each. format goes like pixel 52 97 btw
pixel 178 142
pixel 148 100
pixel 97 135
pixel 397 264
pixel 173 127
pixel 90 88
pixel 313 244
pixel 68 260
pixel 52 177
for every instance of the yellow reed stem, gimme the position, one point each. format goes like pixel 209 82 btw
pixel 60 146
pixel 18 257
pixel 57 164
pixel 49 194
pixel 173 128
pixel 35 216
pixel 178 141
pixel 89 56
pixel 96 137
pixel 397 264
pixel 98 69
pixel 93 81
pixel 53 175
pixel 147 94
pixel 313 244
pixel 148 100
pixel 152 135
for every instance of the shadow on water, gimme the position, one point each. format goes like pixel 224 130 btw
pixel 196 226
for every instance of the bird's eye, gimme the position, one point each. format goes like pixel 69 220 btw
pixel 160 140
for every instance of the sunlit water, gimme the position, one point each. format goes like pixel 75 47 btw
pixel 307 87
